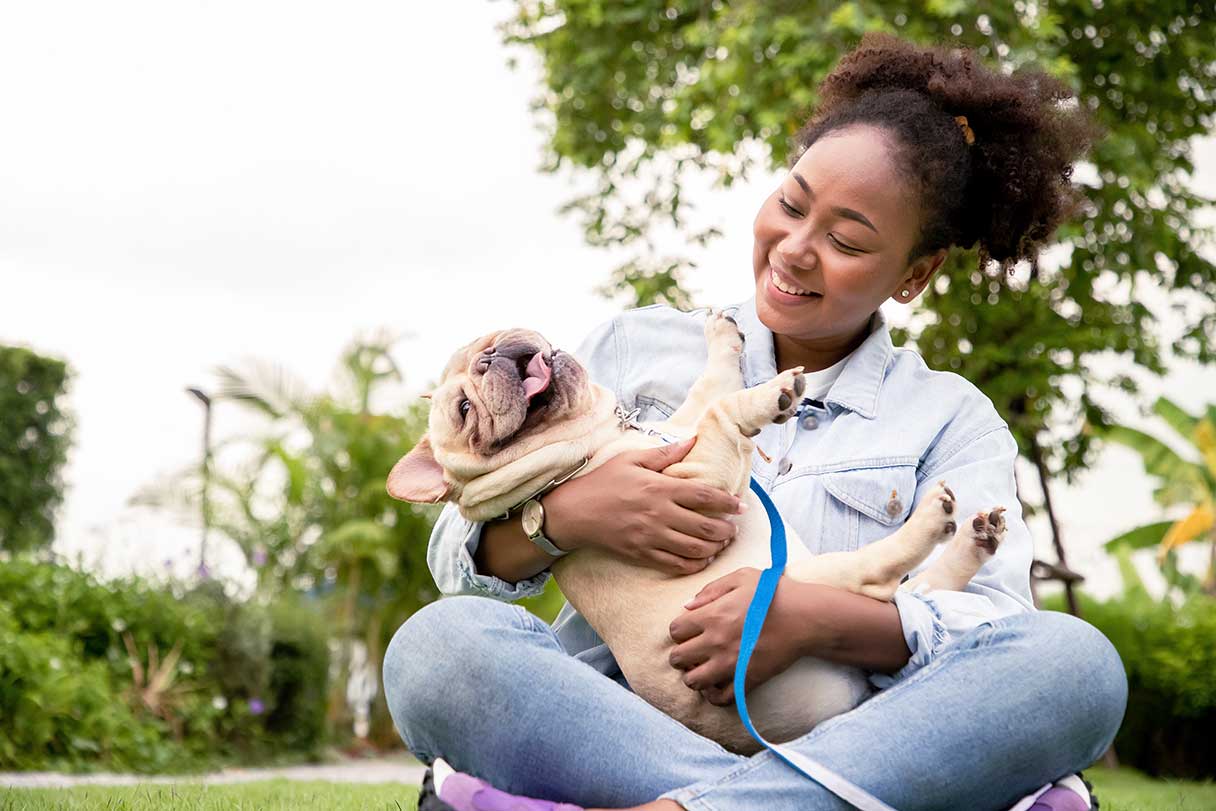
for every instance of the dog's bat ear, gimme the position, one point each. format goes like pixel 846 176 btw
pixel 417 477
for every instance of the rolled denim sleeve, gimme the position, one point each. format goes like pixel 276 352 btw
pixel 980 473
pixel 454 538
pixel 449 555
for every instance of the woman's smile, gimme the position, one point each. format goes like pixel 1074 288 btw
pixel 784 290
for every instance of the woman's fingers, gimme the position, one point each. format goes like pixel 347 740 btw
pixel 676 564
pixel 702 677
pixel 664 455
pixel 702 498
pixel 687 546
pixel 720 695
pixel 710 592
pixel 683 628
pixel 686 657
pixel 699 526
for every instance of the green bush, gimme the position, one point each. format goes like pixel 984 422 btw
pixel 34 438
pixel 299 658
pixel 60 710
pixel 1169 654
pixel 247 681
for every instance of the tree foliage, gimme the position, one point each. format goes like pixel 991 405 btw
pixel 35 434
pixel 646 94
pixel 304 496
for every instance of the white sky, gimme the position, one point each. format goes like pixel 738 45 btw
pixel 186 184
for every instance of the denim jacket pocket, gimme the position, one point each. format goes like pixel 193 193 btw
pixel 652 409
pixel 867 503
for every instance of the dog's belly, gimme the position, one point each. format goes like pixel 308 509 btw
pixel 631 608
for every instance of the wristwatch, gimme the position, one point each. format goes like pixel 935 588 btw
pixel 533 521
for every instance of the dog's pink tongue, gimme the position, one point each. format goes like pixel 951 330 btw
pixel 538 376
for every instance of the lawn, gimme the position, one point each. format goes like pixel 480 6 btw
pixel 1122 790
pixel 270 795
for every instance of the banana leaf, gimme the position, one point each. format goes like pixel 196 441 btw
pixel 1143 537
pixel 1178 419
pixel 1195 525
pixel 1160 460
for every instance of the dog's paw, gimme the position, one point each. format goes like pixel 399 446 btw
pixel 785 389
pixel 934 515
pixel 722 332
pixel 987 530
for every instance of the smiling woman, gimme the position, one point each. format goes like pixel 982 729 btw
pixel 912 152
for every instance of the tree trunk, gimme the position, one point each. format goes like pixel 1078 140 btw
pixel 1036 456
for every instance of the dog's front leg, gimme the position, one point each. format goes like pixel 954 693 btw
pixel 723 452
pixel 723 373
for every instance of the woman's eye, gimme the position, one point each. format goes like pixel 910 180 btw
pixel 849 249
pixel 465 405
pixel 793 212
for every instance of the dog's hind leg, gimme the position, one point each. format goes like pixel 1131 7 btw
pixel 723 373
pixel 971 547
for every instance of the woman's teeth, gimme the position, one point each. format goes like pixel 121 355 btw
pixel 785 288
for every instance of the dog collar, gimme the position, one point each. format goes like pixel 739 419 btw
pixel 552 483
pixel 628 420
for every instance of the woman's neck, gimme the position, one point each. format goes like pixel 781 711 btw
pixel 816 354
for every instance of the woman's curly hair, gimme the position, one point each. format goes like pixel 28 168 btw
pixel 1006 191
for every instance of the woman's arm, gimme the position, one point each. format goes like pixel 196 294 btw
pixel 891 640
pixel 805 619
pixel 626 506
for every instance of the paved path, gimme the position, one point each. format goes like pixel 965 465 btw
pixel 379 770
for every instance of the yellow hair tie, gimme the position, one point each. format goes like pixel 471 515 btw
pixel 968 133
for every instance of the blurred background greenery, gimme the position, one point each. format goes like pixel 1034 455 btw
pixel 641 98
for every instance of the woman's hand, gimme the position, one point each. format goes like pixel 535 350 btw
pixel 710 631
pixel 629 507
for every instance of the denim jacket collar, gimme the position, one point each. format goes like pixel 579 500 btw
pixel 859 383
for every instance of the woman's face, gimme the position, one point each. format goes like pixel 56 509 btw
pixel 837 232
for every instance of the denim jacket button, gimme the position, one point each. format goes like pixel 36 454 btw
pixel 784 466
pixel 808 422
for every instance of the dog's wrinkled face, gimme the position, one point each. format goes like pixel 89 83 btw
pixel 500 388
pixel 498 392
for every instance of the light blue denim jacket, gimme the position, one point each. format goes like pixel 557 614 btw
pixel 892 425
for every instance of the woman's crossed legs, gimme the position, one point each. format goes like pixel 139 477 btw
pixel 1008 707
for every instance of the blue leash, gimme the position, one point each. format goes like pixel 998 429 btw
pixel 752 625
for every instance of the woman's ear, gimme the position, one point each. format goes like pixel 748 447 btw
pixel 918 275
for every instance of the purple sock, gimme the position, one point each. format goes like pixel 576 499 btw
pixel 467 793
pixel 1059 799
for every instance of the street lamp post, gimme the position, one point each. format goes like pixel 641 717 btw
pixel 206 401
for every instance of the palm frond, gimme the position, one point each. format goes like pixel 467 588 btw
pixel 266 387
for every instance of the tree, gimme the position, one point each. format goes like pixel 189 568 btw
pixel 646 94
pixel 35 434
pixel 306 502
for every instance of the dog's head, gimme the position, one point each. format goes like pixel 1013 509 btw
pixel 496 400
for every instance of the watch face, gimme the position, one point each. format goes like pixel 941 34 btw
pixel 533 517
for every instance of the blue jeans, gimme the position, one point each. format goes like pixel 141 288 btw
pixel 1010 706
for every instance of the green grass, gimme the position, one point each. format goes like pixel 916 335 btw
pixel 1129 790
pixel 270 795
pixel 1122 790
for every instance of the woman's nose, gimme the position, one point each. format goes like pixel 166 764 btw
pixel 797 254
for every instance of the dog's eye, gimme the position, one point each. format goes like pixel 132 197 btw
pixel 465 405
